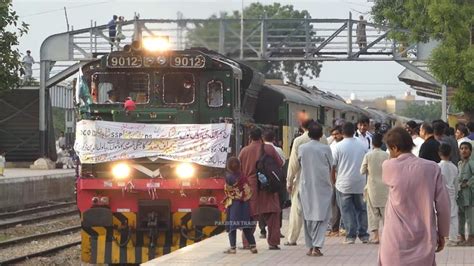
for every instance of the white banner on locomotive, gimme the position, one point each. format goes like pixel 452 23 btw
pixel 103 141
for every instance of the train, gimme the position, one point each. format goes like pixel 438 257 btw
pixel 137 198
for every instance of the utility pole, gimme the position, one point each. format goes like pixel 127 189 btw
pixel 67 20
pixel 242 32
pixel 444 103
pixel 179 32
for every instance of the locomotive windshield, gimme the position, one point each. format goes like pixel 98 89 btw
pixel 178 88
pixel 115 87
pixel 215 93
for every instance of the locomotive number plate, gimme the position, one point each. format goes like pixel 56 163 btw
pixel 190 61
pixel 120 61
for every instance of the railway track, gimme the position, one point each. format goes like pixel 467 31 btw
pixel 19 240
pixel 30 243
pixel 39 253
pixel 37 214
pixel 50 207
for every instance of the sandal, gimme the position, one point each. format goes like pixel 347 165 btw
pixel 309 252
pixel 253 250
pixel 289 244
pixel 230 251
pixel 316 253
pixel 375 242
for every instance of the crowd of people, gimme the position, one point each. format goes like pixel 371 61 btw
pixel 408 189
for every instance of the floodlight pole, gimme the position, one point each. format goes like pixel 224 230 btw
pixel 242 32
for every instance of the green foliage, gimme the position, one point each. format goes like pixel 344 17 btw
pixel 59 120
pixel 207 32
pixel 449 21
pixel 10 31
pixel 426 113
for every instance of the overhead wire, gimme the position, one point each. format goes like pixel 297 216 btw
pixel 358 83
pixel 62 9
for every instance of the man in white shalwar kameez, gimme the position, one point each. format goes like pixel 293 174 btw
pixel 315 189
pixel 295 221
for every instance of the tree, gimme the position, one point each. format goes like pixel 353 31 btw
pixel 10 31
pixel 291 70
pixel 426 113
pixel 449 21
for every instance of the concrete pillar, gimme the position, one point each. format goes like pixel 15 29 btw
pixel 44 75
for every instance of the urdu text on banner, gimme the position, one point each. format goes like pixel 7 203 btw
pixel 102 141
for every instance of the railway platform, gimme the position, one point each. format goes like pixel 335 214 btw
pixel 23 187
pixel 210 252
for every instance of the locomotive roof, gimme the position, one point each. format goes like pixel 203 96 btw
pixel 378 115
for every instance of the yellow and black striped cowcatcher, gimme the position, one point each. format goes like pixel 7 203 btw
pixel 114 245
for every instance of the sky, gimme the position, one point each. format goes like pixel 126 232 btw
pixel 366 79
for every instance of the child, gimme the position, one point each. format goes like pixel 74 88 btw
pixel 376 191
pixel 2 163
pixel 450 173
pixel 465 195
pixel 238 193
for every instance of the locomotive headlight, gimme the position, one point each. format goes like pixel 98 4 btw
pixel 121 171
pixel 185 170
pixel 154 44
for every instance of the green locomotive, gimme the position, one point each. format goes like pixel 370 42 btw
pixel 135 209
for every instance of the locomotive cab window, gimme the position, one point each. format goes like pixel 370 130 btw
pixel 215 93
pixel 178 88
pixel 115 87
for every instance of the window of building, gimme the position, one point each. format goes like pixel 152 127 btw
pixel 215 93
pixel 178 88
pixel 115 87
pixel 69 115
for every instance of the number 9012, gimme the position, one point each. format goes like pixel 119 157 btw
pixel 124 61
pixel 197 61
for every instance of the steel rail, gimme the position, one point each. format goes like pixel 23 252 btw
pixel 38 236
pixel 39 253
pixel 35 210
pixel 37 218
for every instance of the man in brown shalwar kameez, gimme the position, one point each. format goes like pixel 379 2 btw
pixel 262 203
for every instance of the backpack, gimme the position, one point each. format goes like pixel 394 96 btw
pixel 269 173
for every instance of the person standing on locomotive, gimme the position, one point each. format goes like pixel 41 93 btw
pixel 112 26
pixel 262 203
